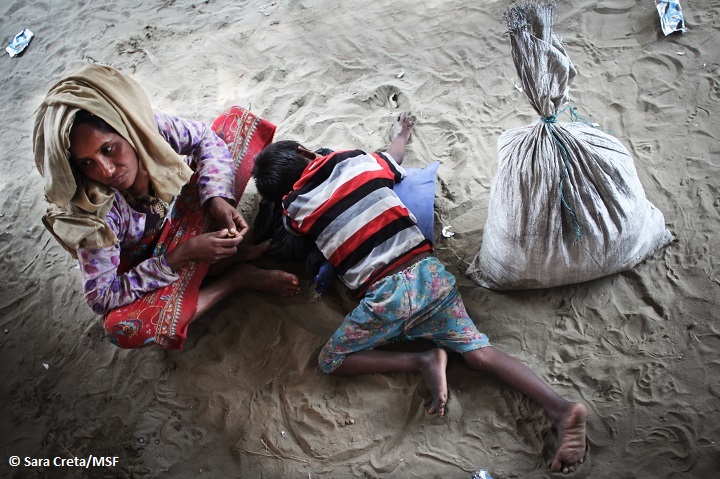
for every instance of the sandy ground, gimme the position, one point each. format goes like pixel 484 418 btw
pixel 245 398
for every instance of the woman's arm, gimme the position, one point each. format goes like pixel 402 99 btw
pixel 210 157
pixel 106 290
pixel 207 154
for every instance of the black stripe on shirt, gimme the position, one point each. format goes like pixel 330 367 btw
pixel 323 173
pixel 347 202
pixel 380 236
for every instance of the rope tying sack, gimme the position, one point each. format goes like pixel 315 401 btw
pixel 549 120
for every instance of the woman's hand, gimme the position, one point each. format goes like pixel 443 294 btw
pixel 228 216
pixel 206 248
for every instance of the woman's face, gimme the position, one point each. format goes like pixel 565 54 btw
pixel 102 156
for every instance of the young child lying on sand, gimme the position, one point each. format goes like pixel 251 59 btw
pixel 344 201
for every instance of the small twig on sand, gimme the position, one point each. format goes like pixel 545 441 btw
pixel 273 454
pixel 61 444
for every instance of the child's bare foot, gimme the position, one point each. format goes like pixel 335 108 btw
pixel 274 281
pixel 571 439
pixel 433 372
pixel 402 127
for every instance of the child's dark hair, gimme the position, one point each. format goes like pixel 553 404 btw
pixel 277 167
pixel 83 117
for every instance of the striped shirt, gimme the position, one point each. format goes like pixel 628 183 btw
pixel 345 202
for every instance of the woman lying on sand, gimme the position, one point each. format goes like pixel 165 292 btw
pixel 157 237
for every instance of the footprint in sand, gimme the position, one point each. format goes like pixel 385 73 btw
pixel 673 444
pixel 652 381
pixel 653 72
pixel 386 96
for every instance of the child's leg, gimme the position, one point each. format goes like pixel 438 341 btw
pixel 568 417
pixel 381 317
pixel 430 364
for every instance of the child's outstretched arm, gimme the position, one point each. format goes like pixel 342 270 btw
pixel 399 136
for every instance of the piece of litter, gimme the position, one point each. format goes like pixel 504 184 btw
pixel 671 17
pixel 264 8
pixel 680 53
pixel 19 42
pixel 446 231
pixel 400 75
pixel 392 100
pixel 518 87
pixel 283 433
pixel 481 474
pixel 46 365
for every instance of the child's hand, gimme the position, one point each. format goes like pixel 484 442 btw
pixel 324 277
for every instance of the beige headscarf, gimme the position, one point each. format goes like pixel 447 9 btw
pixel 78 205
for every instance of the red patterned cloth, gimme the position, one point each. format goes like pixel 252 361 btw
pixel 162 316
pixel 246 134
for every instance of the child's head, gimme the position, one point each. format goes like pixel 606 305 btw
pixel 278 166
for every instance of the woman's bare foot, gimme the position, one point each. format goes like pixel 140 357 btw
pixel 274 281
pixel 402 126
pixel 251 252
pixel 571 439
pixel 433 372
pixel 244 253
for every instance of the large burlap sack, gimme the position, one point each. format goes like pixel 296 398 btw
pixel 566 204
